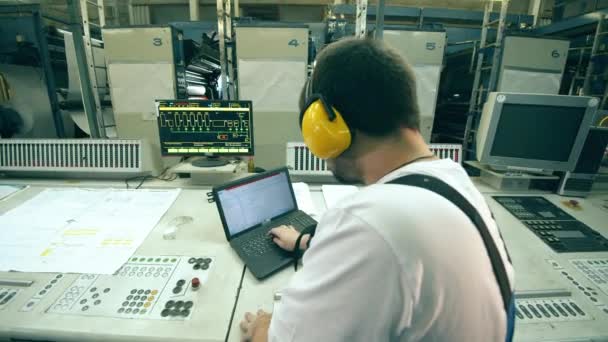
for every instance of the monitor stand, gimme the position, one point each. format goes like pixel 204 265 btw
pixel 209 161
pixel 513 181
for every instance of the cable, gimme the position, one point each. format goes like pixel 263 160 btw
pixel 238 293
pixel 142 179
pixel 605 119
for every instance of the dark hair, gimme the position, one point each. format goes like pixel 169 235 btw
pixel 369 83
pixel 10 122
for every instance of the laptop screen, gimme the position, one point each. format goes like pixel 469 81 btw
pixel 251 203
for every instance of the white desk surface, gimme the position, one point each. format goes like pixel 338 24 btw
pixel 217 298
pixel 256 294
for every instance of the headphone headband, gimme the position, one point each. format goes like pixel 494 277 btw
pixel 308 87
pixel 311 98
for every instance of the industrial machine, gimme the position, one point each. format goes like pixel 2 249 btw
pixel 301 162
pixel 33 69
pixel 42 73
pixel 194 288
pixel 155 55
pixel 70 96
pixel 74 158
pixel 424 50
pixel 532 65
pixel 272 78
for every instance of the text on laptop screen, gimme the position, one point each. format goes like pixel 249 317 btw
pixel 249 204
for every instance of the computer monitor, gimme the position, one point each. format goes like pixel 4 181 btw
pixel 579 182
pixel 533 132
pixel 592 154
pixel 205 128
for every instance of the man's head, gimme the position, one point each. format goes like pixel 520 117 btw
pixel 375 91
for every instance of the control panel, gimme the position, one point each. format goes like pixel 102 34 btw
pixel 560 231
pixel 6 296
pixel 42 293
pixel 146 287
pixel 549 310
pixel 596 270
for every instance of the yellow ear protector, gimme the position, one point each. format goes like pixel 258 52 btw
pixel 324 130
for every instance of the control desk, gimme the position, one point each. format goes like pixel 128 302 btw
pixel 186 289
pixel 180 290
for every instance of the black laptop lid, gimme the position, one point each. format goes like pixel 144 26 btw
pixel 250 202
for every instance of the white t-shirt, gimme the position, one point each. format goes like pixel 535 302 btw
pixel 397 263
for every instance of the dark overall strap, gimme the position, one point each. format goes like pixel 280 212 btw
pixel 297 252
pixel 444 190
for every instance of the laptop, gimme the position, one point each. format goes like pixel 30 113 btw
pixel 249 208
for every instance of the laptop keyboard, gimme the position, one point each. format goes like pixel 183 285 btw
pixel 299 222
pixel 260 243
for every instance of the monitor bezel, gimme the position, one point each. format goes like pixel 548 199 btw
pixel 501 98
pixel 206 154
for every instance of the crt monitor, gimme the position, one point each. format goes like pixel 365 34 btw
pixel 205 128
pixel 533 132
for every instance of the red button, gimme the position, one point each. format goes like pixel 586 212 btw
pixel 196 283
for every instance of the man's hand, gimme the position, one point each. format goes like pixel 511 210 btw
pixel 286 236
pixel 255 327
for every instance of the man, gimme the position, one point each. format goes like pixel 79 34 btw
pixel 394 262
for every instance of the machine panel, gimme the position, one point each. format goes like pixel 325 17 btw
pixel 560 231
pixel 596 270
pixel 549 310
pixel 424 50
pixel 147 287
pixel 6 296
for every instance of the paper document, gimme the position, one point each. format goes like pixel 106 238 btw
pixel 333 194
pixel 7 190
pixel 79 230
pixel 304 199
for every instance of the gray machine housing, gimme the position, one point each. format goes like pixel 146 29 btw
pixel 424 50
pixel 272 78
pixel 155 55
pixel 75 158
pixel 532 64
